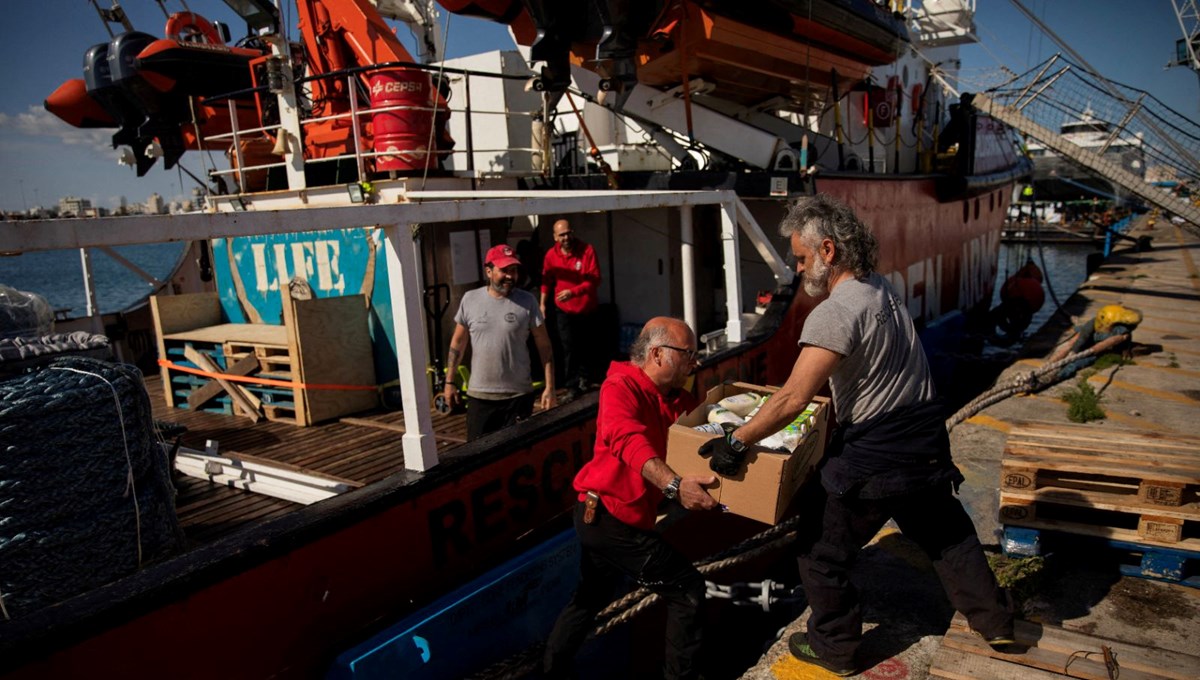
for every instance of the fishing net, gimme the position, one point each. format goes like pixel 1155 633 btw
pixel 85 489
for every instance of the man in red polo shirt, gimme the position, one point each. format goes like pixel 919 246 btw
pixel 570 273
pixel 620 489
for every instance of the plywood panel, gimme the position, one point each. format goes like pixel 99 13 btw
pixel 333 346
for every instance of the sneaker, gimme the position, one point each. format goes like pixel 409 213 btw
pixel 1005 644
pixel 802 651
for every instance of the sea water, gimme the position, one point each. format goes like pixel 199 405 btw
pixel 1063 265
pixel 58 275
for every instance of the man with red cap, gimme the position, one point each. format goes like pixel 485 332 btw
pixel 496 321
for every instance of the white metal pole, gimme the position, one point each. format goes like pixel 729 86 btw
pixel 420 449
pixel 687 257
pixel 89 292
pixel 289 116
pixel 733 278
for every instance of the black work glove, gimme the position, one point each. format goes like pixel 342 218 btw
pixel 724 459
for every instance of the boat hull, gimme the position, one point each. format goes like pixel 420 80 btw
pixel 284 596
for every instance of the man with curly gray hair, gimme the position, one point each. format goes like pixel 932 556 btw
pixel 890 458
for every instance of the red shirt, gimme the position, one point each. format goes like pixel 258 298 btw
pixel 631 428
pixel 577 272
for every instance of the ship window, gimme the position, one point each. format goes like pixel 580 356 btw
pixel 976 208
pixel 966 211
pixel 991 202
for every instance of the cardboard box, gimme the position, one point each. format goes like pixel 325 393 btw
pixel 763 489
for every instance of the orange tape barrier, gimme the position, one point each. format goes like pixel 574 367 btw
pixel 260 381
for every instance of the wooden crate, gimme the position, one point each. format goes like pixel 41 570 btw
pixel 322 343
pixel 1053 652
pixel 1112 483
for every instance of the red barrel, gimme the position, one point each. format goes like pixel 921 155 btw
pixel 402 136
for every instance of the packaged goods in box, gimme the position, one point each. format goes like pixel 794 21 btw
pixel 766 485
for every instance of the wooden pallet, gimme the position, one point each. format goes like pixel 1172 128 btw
pixel 1127 485
pixel 1144 561
pixel 1053 653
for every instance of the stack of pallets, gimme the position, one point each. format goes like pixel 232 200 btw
pixel 1135 490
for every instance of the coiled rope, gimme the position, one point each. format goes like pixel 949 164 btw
pixel 85 488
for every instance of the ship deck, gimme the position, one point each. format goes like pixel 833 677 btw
pixel 364 449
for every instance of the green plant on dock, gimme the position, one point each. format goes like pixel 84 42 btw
pixel 1111 359
pixel 1022 577
pixel 1083 403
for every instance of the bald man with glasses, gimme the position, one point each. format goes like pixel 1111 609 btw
pixel 620 490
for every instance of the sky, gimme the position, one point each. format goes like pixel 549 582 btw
pixel 42 158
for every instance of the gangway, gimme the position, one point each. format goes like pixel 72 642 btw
pixel 1103 167
pixel 1061 95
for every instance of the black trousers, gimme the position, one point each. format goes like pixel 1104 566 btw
pixel 485 416
pixel 577 335
pixel 935 520
pixel 612 549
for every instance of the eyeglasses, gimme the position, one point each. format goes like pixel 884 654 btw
pixel 691 355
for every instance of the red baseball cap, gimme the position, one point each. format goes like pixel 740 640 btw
pixel 501 256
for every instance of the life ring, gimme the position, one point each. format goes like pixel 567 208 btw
pixel 183 26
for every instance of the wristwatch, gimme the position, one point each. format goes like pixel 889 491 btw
pixel 671 490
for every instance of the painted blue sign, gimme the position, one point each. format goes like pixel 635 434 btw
pixel 251 271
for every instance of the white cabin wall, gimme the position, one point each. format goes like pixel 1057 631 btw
pixel 502 142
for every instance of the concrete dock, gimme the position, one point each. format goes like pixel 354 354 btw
pixel 1083 594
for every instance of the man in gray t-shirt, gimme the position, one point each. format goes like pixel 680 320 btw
pixel 883 366
pixel 496 321
pixel 890 458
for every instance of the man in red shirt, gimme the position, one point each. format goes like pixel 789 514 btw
pixel 620 489
pixel 570 272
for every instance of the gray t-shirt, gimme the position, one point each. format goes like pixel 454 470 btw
pixel 884 365
pixel 499 328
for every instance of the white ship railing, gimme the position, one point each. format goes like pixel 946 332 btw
pixel 401 251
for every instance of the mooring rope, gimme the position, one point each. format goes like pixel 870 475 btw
pixel 1034 381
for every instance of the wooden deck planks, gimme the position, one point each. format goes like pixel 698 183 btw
pixel 360 454
pixel 364 449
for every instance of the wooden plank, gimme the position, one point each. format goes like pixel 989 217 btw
pixel 173 313
pixel 1100 501
pixel 248 402
pixel 1120 437
pixel 1073 448
pixel 1048 428
pixel 954 664
pixel 178 313
pixel 400 429
pixel 1114 533
pixel 1158 663
pixel 244 366
pixel 246 333
pixel 330 339
pixel 1101 466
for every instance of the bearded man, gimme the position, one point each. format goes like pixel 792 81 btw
pixel 890 458
pixel 496 321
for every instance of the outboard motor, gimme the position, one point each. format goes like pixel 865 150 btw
pixel 161 113
pixel 97 77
